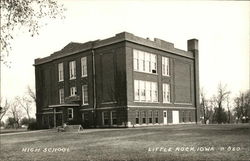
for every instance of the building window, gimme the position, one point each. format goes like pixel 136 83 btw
pixel 84 66
pixel 70 113
pixel 165 66
pixel 143 115
pixel 137 115
pixel 85 117
pixel 105 118
pixel 72 70
pixel 85 95
pixel 156 117
pixel 137 90
pixel 113 118
pixel 183 116
pixel 73 91
pixel 150 115
pixel 144 61
pixel 60 72
pixel 190 117
pixel 145 91
pixel 61 96
pixel 166 93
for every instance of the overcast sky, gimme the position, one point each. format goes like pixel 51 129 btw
pixel 221 27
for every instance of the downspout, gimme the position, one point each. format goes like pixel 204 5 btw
pixel 94 85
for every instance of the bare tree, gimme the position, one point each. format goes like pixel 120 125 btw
pixel 25 103
pixel 4 109
pixel 31 93
pixel 206 109
pixel 25 14
pixel 219 100
pixel 15 112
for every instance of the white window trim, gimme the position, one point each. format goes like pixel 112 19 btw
pixel 74 91
pixel 140 91
pixel 165 100
pixel 82 71
pixel 74 71
pixel 84 95
pixel 60 98
pixel 165 61
pixel 60 68
pixel 72 113
pixel 143 70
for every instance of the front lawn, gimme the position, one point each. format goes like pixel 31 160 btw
pixel 176 142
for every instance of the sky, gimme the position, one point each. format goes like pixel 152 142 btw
pixel 222 28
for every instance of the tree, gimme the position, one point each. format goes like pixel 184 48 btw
pixel 242 106
pixel 29 15
pixel 219 100
pixel 206 109
pixel 4 109
pixel 31 93
pixel 25 103
pixel 16 113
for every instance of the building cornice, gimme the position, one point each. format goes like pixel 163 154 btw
pixel 121 37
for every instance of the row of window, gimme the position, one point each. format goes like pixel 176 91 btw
pixel 112 117
pixel 147 62
pixel 72 69
pixel 73 92
pixel 143 62
pixel 146 91
pixel 143 117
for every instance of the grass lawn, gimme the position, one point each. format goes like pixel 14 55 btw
pixel 177 142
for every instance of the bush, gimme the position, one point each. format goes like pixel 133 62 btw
pixel 33 126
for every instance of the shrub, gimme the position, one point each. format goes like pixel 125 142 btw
pixel 33 126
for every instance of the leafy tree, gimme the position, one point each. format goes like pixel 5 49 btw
pixel 242 106
pixel 29 15
pixel 10 122
pixel 219 101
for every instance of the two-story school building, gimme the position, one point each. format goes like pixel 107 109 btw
pixel 123 81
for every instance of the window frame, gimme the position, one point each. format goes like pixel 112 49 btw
pixel 165 66
pixel 150 89
pixel 84 67
pixel 61 96
pixel 72 113
pixel 72 70
pixel 166 93
pixel 144 62
pixel 74 91
pixel 60 72
pixel 85 98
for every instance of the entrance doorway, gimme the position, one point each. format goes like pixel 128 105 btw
pixel 165 119
pixel 175 115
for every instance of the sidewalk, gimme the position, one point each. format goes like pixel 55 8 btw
pixel 22 132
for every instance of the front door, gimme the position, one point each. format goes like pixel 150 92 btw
pixel 165 119
pixel 175 115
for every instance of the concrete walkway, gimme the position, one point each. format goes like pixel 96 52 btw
pixel 23 132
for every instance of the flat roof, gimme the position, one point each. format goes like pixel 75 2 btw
pixel 74 48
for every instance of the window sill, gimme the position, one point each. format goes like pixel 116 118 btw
pixel 85 104
pixel 145 72
pixel 72 78
pixel 84 76
pixel 145 102
pixel 60 80
pixel 165 75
